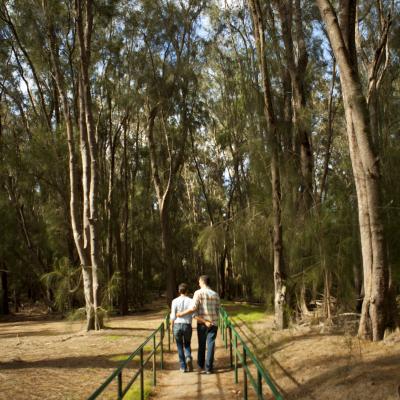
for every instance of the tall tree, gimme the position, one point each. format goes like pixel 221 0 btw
pixel 273 145
pixel 85 238
pixel 365 163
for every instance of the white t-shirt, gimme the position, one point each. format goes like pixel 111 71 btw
pixel 180 304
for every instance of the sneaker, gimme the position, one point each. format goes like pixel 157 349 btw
pixel 182 370
pixel 208 372
pixel 189 364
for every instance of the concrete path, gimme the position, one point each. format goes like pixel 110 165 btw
pixel 175 385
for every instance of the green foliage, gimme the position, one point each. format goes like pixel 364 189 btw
pixel 63 281
pixel 204 80
pixel 211 241
pixel 112 290
pixel 78 314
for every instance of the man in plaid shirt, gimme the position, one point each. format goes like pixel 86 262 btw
pixel 206 304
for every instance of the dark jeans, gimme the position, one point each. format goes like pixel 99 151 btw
pixel 183 336
pixel 207 337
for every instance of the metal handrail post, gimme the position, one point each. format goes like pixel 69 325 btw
pixel 141 375
pixel 169 336
pixel 244 375
pixel 236 358
pixel 230 346
pixel 162 348
pixel 223 329
pixel 259 385
pixel 226 336
pixel 154 361
pixel 120 385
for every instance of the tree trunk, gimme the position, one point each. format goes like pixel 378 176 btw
pixel 327 157
pixel 5 310
pixel 167 253
pixel 229 277
pixel 365 164
pixel 110 200
pixel 221 271
pixel 84 10
pixel 297 71
pixel 279 270
pixel 127 252
pixel 164 190
pixel 72 165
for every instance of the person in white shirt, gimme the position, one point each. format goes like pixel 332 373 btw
pixel 182 328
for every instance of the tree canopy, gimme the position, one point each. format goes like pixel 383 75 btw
pixel 143 143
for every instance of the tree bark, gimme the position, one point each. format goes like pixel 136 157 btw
pixel 124 289
pixel 163 197
pixel 5 310
pixel 272 139
pixel 297 68
pixel 327 157
pixel 80 238
pixel 84 11
pixel 365 164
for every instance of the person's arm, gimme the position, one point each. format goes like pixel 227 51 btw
pixel 186 312
pixel 173 315
pixel 190 310
pixel 206 322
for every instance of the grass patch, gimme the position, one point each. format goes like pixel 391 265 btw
pixel 148 348
pixel 134 391
pixel 245 312
pixel 113 337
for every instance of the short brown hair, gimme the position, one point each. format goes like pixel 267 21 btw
pixel 205 279
pixel 183 288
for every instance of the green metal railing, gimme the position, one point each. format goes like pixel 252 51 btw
pixel 239 352
pixel 139 352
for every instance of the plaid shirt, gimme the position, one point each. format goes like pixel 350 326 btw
pixel 207 304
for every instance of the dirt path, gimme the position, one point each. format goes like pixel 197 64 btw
pixel 44 359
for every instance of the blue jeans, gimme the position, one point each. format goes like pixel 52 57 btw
pixel 183 336
pixel 207 337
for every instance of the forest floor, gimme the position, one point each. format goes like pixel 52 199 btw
pixel 41 358
pixel 316 361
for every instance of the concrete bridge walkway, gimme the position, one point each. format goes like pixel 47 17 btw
pixel 172 384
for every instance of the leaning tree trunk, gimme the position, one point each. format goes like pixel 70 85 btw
pixel 272 137
pixel 365 164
